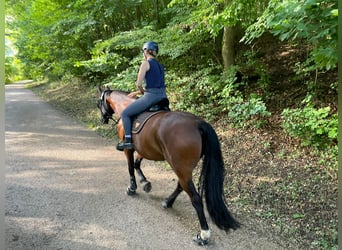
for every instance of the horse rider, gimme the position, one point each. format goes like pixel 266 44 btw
pixel 152 73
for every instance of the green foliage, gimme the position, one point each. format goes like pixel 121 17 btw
pixel 103 64
pixel 251 65
pixel 241 113
pixel 193 93
pixel 178 42
pixel 249 113
pixel 211 96
pixel 115 55
pixel 54 35
pixel 314 127
pixel 12 69
pixel 312 21
pixel 211 16
pixel 125 80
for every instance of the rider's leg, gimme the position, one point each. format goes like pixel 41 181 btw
pixel 135 108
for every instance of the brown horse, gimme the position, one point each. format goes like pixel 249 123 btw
pixel 182 139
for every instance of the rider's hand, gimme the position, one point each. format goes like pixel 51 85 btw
pixel 133 94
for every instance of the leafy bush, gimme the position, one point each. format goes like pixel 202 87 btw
pixel 12 69
pixel 102 65
pixel 212 96
pixel 241 113
pixel 193 93
pixel 125 80
pixel 249 113
pixel 315 127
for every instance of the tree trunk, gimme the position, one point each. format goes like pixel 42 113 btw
pixel 228 43
pixel 228 47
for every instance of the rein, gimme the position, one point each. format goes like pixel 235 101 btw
pixel 115 121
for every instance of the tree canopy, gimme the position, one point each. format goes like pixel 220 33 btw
pixel 54 35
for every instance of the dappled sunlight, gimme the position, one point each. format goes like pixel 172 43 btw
pixel 88 235
pixel 96 235
pixel 65 179
pixel 262 179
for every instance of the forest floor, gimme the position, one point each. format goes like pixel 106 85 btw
pixel 271 181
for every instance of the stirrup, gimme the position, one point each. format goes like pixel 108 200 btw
pixel 127 144
pixel 119 146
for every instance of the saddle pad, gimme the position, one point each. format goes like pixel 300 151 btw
pixel 140 121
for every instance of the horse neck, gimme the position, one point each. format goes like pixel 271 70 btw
pixel 119 101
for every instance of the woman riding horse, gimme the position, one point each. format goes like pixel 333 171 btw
pixel 153 73
pixel 182 139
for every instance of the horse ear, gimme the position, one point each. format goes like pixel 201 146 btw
pixel 108 87
pixel 99 90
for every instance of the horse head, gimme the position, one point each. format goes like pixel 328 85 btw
pixel 106 111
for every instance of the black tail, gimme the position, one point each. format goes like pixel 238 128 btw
pixel 211 179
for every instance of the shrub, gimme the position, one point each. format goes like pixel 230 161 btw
pixel 13 70
pixel 315 127
pixel 249 113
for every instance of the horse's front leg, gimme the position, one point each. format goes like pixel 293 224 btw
pixel 147 186
pixel 171 199
pixel 131 189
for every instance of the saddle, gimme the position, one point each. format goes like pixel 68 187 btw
pixel 161 105
pixel 141 119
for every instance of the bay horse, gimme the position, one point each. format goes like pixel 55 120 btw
pixel 181 139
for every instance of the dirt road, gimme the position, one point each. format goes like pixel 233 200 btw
pixel 65 189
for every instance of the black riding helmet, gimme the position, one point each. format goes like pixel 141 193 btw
pixel 151 46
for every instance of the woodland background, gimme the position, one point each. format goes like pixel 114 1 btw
pixel 264 73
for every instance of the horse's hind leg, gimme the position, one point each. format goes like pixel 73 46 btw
pixel 171 199
pixel 147 186
pixel 196 200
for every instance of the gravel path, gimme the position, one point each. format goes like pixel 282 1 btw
pixel 65 189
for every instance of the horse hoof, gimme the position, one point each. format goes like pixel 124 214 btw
pixel 201 242
pixel 130 191
pixel 147 187
pixel 164 204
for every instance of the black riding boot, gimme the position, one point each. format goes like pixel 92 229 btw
pixel 127 144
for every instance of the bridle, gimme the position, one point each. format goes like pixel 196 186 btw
pixel 106 111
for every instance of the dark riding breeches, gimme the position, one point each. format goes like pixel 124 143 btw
pixel 150 97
